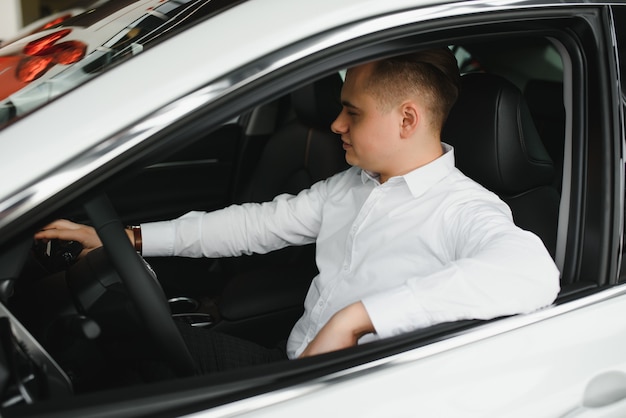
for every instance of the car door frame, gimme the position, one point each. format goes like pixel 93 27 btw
pixel 281 389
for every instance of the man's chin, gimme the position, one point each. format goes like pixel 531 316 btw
pixel 350 159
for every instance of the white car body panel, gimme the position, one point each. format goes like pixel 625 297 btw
pixel 463 376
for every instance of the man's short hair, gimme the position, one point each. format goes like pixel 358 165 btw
pixel 432 75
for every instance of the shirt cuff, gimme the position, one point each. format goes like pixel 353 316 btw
pixel 158 239
pixel 395 312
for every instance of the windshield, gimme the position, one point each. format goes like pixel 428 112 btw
pixel 38 66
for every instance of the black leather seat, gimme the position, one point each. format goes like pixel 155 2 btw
pixel 295 157
pixel 545 101
pixel 496 143
pixel 304 150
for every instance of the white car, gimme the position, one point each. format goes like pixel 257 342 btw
pixel 230 101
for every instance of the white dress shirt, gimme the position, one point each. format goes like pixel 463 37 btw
pixel 428 247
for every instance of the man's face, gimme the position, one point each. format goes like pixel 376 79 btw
pixel 369 134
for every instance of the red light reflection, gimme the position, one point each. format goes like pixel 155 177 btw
pixel 36 58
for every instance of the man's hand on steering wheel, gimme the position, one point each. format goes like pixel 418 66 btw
pixel 65 230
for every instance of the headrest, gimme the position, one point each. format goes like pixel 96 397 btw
pixel 318 104
pixel 545 97
pixel 495 140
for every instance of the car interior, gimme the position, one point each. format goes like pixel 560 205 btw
pixel 508 131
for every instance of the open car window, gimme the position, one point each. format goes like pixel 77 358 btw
pixel 257 154
pixel 85 347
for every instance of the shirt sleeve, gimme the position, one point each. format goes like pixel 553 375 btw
pixel 499 270
pixel 239 229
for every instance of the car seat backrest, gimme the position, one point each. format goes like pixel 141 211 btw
pixel 303 151
pixel 496 143
pixel 545 101
pixel 300 153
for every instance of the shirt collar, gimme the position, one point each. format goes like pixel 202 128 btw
pixel 424 177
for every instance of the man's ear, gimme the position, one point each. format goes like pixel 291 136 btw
pixel 410 114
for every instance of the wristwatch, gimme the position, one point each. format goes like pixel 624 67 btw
pixel 136 229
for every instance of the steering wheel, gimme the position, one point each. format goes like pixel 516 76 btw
pixel 144 291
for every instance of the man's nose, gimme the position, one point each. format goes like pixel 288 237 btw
pixel 338 126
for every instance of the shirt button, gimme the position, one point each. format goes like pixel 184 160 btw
pixel 321 303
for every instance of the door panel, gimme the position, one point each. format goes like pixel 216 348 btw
pixel 198 177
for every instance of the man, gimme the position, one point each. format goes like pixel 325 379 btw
pixel 404 239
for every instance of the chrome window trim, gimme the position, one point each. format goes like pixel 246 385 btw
pixel 621 183
pixel 566 186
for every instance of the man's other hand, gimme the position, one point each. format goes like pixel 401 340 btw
pixel 343 330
